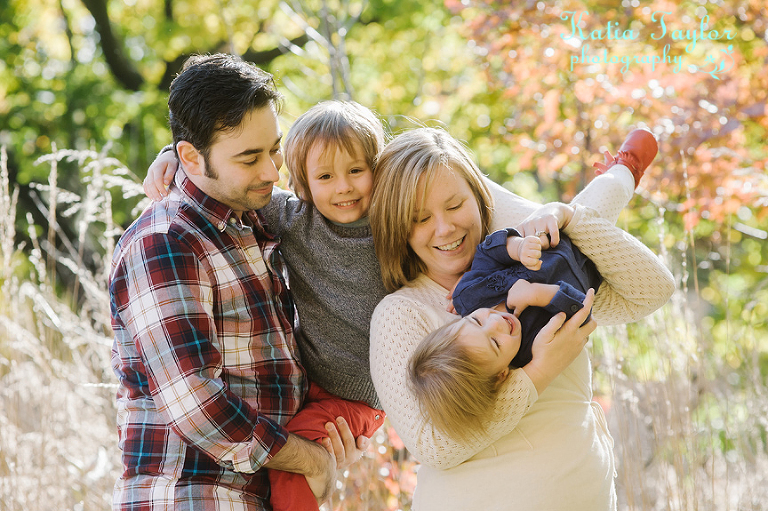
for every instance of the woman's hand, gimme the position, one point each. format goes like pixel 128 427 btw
pixel 342 445
pixel 549 219
pixel 559 343
pixel 160 174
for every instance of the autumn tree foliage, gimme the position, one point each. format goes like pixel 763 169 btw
pixel 573 77
pixel 537 90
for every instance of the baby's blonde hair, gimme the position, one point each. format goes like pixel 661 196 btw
pixel 334 125
pixel 451 388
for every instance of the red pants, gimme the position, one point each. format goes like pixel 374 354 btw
pixel 290 492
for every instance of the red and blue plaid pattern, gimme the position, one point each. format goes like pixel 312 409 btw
pixel 205 355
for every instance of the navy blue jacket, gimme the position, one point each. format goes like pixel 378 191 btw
pixel 493 272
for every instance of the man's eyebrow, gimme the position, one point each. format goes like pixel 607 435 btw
pixel 252 152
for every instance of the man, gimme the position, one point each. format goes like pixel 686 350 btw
pixel 204 345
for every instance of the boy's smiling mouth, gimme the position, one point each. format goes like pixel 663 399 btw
pixel 347 203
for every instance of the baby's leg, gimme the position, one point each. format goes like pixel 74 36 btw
pixel 608 193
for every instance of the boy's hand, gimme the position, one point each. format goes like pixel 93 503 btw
pixel 160 174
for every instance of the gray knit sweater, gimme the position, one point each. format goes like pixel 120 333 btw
pixel 335 281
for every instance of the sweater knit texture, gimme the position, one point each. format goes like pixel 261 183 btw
pixel 335 281
pixel 538 452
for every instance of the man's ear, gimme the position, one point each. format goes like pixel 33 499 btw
pixel 190 158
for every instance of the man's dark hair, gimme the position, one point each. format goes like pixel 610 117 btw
pixel 213 93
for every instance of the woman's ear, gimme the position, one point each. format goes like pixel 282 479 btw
pixel 190 158
pixel 502 376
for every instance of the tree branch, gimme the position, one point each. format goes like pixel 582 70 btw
pixel 122 68
pixel 126 73
pixel 261 58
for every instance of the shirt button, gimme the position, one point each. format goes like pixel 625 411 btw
pixel 222 226
pixel 575 308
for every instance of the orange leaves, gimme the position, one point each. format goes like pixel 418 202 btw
pixel 565 116
pixel 690 220
pixel 584 92
pixel 455 6
pixel 557 163
pixel 394 439
pixel 551 107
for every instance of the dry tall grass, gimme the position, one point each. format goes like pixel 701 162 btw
pixel 689 424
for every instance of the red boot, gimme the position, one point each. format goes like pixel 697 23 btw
pixel 636 153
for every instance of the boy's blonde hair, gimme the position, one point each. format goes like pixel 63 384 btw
pixel 405 159
pixel 335 125
pixel 451 389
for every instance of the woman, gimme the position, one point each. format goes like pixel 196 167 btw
pixel 543 450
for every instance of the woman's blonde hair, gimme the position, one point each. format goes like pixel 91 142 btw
pixel 335 125
pixel 402 163
pixel 453 391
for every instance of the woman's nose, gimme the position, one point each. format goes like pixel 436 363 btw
pixel 443 225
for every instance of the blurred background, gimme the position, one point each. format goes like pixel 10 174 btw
pixel 537 90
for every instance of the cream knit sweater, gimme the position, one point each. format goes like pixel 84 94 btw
pixel 635 284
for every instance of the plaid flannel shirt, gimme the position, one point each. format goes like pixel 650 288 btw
pixel 205 355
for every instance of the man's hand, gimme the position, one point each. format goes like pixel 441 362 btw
pixel 310 459
pixel 160 174
pixel 342 445
pixel 559 343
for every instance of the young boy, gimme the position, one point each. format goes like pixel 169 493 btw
pixel 515 286
pixel 335 280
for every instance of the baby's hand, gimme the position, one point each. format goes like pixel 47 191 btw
pixel 529 252
pixel 519 297
pixel 160 174
pixel 450 308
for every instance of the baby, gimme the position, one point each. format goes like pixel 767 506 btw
pixel 513 289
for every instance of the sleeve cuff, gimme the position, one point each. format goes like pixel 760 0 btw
pixel 568 299
pixel 495 244
pixel 579 213
pixel 265 443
